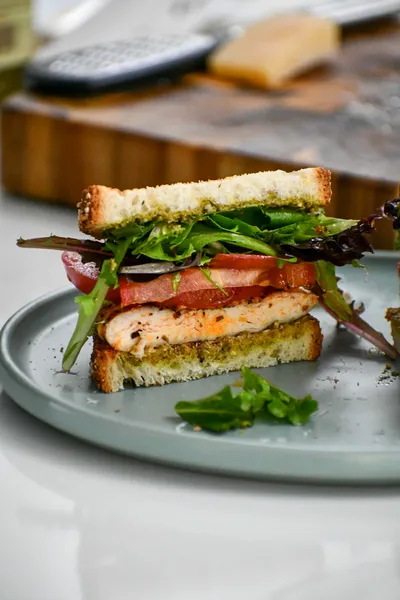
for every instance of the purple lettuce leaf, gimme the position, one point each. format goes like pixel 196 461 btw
pixel 88 249
pixel 332 300
pixel 340 249
pixel 361 328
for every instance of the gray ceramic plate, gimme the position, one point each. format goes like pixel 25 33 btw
pixel 355 437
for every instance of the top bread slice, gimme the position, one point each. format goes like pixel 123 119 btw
pixel 102 208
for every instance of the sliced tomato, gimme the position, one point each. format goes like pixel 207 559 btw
pixel 214 298
pixel 84 275
pixel 194 289
pixel 298 274
pixel 192 281
pixel 243 261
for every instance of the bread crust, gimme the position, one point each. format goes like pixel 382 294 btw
pixel 324 178
pixel 102 208
pixel 90 208
pixel 289 342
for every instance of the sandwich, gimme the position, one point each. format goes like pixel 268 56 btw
pixel 188 280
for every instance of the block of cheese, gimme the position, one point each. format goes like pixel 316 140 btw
pixel 272 51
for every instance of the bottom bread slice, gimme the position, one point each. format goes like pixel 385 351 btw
pixel 284 343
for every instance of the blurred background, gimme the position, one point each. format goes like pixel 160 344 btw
pixel 128 93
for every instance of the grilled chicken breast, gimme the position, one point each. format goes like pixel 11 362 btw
pixel 146 326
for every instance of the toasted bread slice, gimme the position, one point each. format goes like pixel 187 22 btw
pixel 102 208
pixel 289 342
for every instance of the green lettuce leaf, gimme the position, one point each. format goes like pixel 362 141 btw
pixel 91 304
pixel 252 230
pixel 176 279
pixel 224 410
pixel 176 243
pixel 164 243
pixel 202 236
pixel 277 402
pixel 135 231
pixel 233 224
pixel 330 293
pixel 281 217
pixel 207 275
pixel 220 412
pixel 311 226
pixel 265 218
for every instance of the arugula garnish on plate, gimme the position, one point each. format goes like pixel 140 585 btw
pixel 258 398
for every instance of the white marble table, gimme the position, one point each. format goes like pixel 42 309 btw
pixel 78 523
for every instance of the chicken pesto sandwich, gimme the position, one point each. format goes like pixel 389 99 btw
pixel 195 279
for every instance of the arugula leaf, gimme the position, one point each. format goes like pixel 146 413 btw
pixel 357 265
pixel 330 293
pixel 164 241
pixel 91 304
pixel 332 226
pixel 219 412
pixel 267 218
pixel 311 226
pixel 205 260
pixel 176 279
pixel 278 402
pixel 207 275
pixel 223 411
pixel 299 411
pixel 132 230
pixel 281 226
pixel 283 261
pixel 281 217
pixel 202 236
pixel 253 382
pixel 233 224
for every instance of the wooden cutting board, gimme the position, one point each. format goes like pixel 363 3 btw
pixel 346 118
